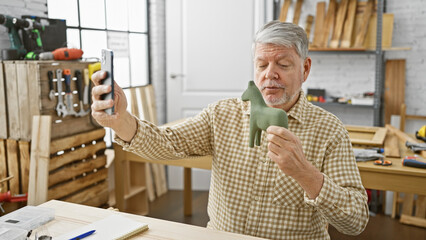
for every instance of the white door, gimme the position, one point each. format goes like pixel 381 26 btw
pixel 209 57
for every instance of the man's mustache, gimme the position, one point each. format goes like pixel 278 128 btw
pixel 269 83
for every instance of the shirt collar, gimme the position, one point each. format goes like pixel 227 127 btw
pixel 295 112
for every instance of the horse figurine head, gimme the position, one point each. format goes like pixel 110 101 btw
pixel 261 116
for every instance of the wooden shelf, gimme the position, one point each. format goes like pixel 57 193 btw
pixel 335 104
pixel 134 191
pixel 356 50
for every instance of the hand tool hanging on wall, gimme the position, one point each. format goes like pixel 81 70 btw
pixel 68 93
pixel 60 107
pixel 80 90
pixel 51 90
pixel 86 86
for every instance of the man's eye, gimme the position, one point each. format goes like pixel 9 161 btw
pixel 262 66
pixel 284 65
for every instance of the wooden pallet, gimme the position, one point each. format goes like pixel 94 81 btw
pixel 70 169
pixel 27 90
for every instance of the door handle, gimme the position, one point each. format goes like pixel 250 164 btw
pixel 175 75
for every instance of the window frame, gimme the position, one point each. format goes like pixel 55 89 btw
pixel 128 32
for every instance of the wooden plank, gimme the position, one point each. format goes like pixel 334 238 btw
pixel 120 156
pixel 134 106
pixel 69 188
pixel 33 76
pixel 24 158
pixel 76 170
pixel 12 99
pixel 338 29
pixel 76 140
pixel 349 25
pixel 407 204
pixel 328 24
pixel 308 26
pixel 284 10
pixel 39 160
pixel 394 87
pixel 420 206
pixel 402 117
pixel 420 222
pixel 13 165
pixel 387 31
pixel 362 29
pixel 145 106
pixel 24 101
pixel 78 154
pixel 3 166
pixel 297 11
pixel 187 192
pixel 319 23
pixel 3 105
pixel 149 183
pixel 404 137
pixel 391 145
pixel 92 196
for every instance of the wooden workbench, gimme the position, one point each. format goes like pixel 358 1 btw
pixel 388 178
pixel 70 216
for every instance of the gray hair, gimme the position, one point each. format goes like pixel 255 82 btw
pixel 283 34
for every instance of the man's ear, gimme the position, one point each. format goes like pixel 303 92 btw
pixel 306 68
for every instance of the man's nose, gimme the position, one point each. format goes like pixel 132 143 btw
pixel 271 72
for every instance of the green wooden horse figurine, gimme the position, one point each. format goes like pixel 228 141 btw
pixel 261 116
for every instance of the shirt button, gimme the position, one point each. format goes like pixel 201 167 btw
pixel 256 198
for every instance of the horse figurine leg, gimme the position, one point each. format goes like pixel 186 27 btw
pixel 258 137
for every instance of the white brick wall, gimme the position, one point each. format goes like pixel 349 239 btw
pixel 17 8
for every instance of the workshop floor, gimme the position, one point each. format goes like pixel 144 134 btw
pixel 170 207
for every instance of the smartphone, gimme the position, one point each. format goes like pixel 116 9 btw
pixel 108 66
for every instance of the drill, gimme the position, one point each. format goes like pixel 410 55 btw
pixel 17 50
pixel 33 29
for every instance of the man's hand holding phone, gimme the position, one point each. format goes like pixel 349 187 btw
pixel 121 121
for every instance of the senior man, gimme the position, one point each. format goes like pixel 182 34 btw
pixel 294 184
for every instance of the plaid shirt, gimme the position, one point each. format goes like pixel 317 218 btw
pixel 248 192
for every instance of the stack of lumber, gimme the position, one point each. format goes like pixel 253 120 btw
pixel 344 24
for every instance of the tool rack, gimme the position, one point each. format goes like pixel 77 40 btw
pixel 77 168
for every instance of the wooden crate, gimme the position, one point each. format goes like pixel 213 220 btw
pixel 14 161
pixel 3 108
pixel 27 91
pixel 77 170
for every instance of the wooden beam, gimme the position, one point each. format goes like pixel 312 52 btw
pixel 340 18
pixel 297 11
pixel 78 154
pixel 362 30
pixel 308 27
pixel 404 137
pixel 284 10
pixel 24 157
pixel 13 165
pixel 420 222
pixel 3 166
pixel 328 24
pixel 319 23
pixel 71 187
pixel 349 24
pixel 39 160
pixel 76 140
pixel 75 170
